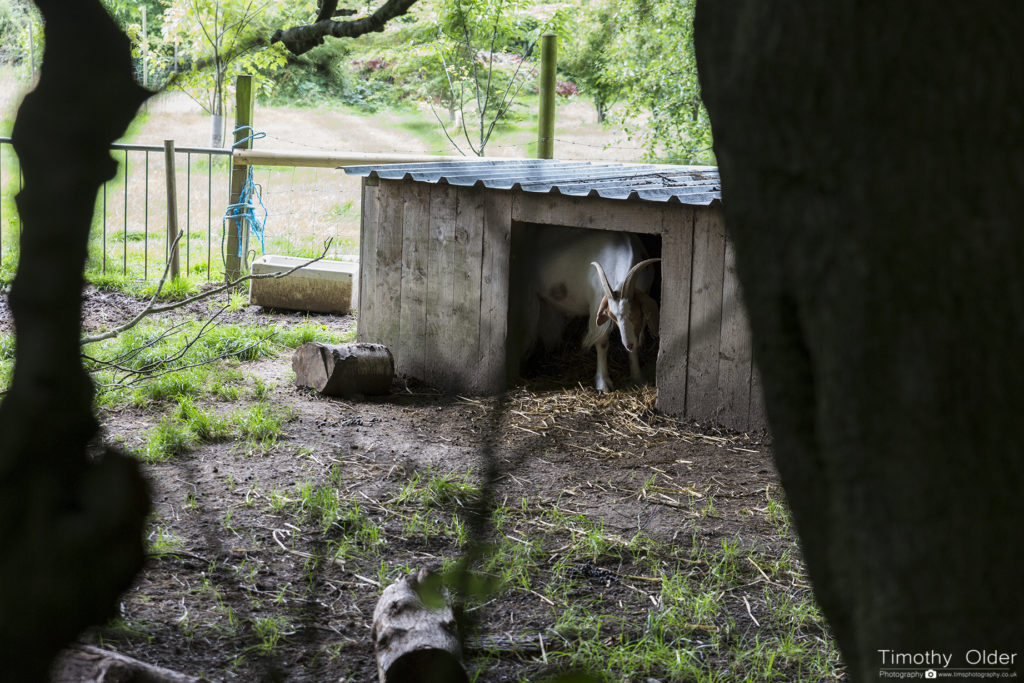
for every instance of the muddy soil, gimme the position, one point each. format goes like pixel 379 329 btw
pixel 239 555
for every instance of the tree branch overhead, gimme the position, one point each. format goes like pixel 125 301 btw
pixel 301 39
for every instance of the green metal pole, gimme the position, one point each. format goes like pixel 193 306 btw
pixel 244 95
pixel 546 124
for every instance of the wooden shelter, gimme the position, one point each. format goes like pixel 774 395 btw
pixel 435 255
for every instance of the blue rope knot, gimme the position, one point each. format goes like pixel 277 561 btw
pixel 243 212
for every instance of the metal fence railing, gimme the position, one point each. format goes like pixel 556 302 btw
pixel 128 233
pixel 307 200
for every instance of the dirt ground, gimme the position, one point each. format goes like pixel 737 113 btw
pixel 239 548
pixel 249 579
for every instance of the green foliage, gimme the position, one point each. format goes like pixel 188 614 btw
pixel 323 76
pixel 21 34
pixel 218 40
pixel 651 56
pixel 484 47
pixel 584 55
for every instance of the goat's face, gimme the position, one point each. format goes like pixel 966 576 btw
pixel 629 314
pixel 629 307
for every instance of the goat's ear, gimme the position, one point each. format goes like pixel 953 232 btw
pixel 602 312
pixel 651 313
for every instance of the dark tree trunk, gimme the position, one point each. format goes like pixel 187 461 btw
pixel 72 523
pixel 871 164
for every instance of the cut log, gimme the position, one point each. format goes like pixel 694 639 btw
pixel 344 370
pixel 414 633
pixel 87 664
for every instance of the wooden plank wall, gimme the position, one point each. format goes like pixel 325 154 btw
pixel 434 288
pixel 674 333
pixel 497 240
pixel 431 290
pixel 705 317
pixel 734 360
pixel 412 327
pixel 440 283
pixel 368 257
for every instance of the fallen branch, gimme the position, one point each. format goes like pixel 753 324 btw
pixel 152 308
pixel 87 664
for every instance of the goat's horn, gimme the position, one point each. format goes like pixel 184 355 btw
pixel 604 280
pixel 627 285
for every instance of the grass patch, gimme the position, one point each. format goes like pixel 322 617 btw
pixel 180 362
pixel 166 441
pixel 162 541
pixel 261 424
pixel 205 426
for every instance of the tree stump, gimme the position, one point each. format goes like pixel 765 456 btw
pixel 414 633
pixel 344 370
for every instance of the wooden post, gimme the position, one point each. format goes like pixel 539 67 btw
pixel 172 207
pixel 238 233
pixel 546 124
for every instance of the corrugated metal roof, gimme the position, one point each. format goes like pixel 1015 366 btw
pixel 693 185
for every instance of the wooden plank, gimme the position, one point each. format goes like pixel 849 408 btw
pixel 758 416
pixel 673 348
pixel 413 316
pixel 497 241
pixel 388 295
pixel 440 284
pixel 268 157
pixel 464 343
pixel 705 316
pixel 734 362
pixel 366 330
pixel 586 212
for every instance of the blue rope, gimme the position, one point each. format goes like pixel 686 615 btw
pixel 243 212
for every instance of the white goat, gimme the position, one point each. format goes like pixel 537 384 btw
pixel 593 273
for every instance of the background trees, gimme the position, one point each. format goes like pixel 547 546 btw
pixel 483 46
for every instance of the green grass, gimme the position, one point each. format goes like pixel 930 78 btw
pixel 162 541
pixel 261 424
pixel 166 441
pixel 205 426
pixel 270 630
pixel 623 606
pixel 181 362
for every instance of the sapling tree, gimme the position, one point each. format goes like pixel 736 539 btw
pixel 585 55
pixel 483 77
pixel 217 40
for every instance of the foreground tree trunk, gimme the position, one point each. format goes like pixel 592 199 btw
pixel 72 517
pixel 871 164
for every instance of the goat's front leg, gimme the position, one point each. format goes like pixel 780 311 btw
pixel 603 380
